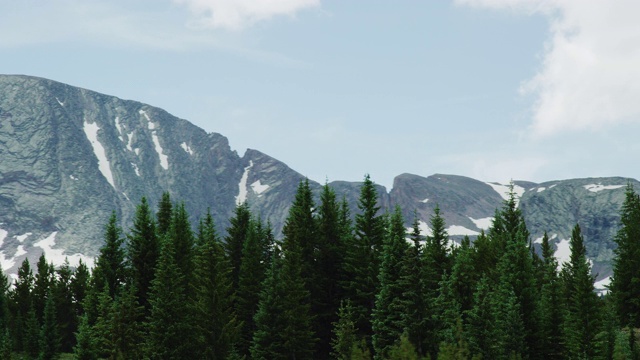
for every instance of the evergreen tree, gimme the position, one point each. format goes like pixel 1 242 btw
pixel 403 349
pixel 20 304
pixel 283 320
pixel 65 311
pixel 49 338
pixel 181 235
pixel 236 236
pixel 216 325
pixel 582 322
pixel 31 336
pixel 125 325
pixel 142 252
pixel 551 305
pixel 330 260
pixel 252 274
pixel 169 320
pixel 109 269
pixel 416 314
pixel 164 214
pixel 85 348
pixel 79 286
pixel 344 333
pixel 625 284
pixel 6 350
pixel 362 261
pixel 388 319
pixel 43 281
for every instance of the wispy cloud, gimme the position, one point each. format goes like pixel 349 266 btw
pixel 589 76
pixel 238 14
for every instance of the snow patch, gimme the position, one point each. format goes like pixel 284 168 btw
pixel 57 256
pixel 137 151
pixel 242 185
pixel 552 186
pixel 59 102
pixel 125 195
pixel 258 188
pixel 20 251
pixel 164 159
pixel 541 189
pixel 6 263
pixel 599 187
pixel 135 168
pixel 483 223
pixel 23 237
pixel 425 200
pixel 503 190
pixel 461 230
pixel 130 141
pixel 563 252
pixel 3 235
pixel 73 177
pixel 602 284
pixel 91 131
pixel 452 244
pixel 119 127
pixel 539 240
pixel 424 229
pixel 186 148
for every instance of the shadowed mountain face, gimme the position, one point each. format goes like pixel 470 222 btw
pixel 70 156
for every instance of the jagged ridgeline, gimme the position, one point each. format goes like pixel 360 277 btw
pixel 69 156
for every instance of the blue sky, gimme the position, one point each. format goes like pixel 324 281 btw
pixel 492 89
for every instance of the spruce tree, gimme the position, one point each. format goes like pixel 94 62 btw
pixel 142 252
pixel 79 286
pixel 388 318
pixel 109 269
pixel 66 317
pixel 283 320
pixel 216 325
pixel 20 302
pixel 85 348
pixel 43 281
pixel 181 235
pixel 164 214
pixel 362 261
pixel 49 336
pixel 236 236
pixel 127 330
pixel 625 284
pixel 582 322
pixel 169 320
pixel 551 305
pixel 344 333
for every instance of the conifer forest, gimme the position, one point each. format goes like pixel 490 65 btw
pixel 337 285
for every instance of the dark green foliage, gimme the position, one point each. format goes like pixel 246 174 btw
pixel 181 235
pixel 255 262
pixel 31 335
pixel 436 257
pixel 283 320
pixel 236 236
pixel 403 349
pixel 388 318
pixel 143 249
pixel 551 305
pixel 582 322
pixel 43 281
pixel 362 260
pixel 344 333
pixel 49 336
pixel 79 286
pixel 216 326
pixel 109 269
pixel 6 350
pixel 85 347
pixel 169 320
pixel 625 285
pixel 164 214
pixel 65 311
pixel 20 302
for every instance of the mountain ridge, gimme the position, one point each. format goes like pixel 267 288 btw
pixel 72 155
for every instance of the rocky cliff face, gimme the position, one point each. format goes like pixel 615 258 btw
pixel 70 156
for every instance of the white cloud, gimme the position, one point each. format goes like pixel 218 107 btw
pixel 238 14
pixel 589 76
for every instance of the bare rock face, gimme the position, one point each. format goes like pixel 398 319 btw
pixel 70 156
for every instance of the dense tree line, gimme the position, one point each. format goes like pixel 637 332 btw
pixel 336 286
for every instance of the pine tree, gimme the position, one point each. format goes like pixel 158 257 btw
pixel 79 286
pixel 109 268
pixel 85 348
pixel 403 349
pixel 216 327
pixel 582 322
pixel 236 236
pixel 181 235
pixel 362 261
pixel 551 305
pixel 169 320
pixel 388 318
pixel 49 338
pixel 283 320
pixel 142 252
pixel 20 303
pixel 43 281
pixel 625 284
pixel 252 274
pixel 127 330
pixel 164 214
pixel 66 317
pixel 344 333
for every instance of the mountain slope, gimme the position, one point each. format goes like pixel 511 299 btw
pixel 70 156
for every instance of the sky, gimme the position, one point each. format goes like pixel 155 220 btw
pixel 491 89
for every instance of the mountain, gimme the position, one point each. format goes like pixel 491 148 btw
pixel 71 156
